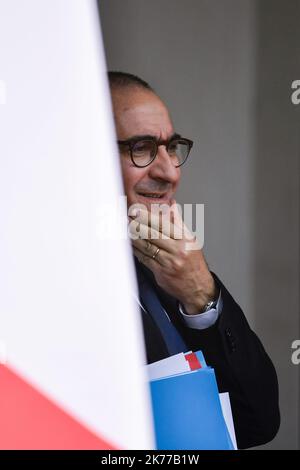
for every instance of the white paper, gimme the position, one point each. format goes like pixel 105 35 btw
pixel 227 413
pixel 172 365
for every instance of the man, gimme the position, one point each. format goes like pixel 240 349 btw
pixel 184 305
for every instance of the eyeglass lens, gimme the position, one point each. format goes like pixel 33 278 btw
pixel 144 151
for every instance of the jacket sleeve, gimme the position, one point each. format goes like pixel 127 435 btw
pixel 243 369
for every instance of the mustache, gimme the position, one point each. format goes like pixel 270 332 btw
pixel 155 186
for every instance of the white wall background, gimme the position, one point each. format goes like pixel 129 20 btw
pixel 225 69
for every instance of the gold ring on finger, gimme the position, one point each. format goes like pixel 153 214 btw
pixel 156 253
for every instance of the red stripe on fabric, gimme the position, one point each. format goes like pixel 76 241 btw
pixel 29 420
pixel 193 361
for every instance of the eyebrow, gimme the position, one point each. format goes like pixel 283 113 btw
pixel 152 137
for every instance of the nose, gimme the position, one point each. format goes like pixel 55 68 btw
pixel 163 168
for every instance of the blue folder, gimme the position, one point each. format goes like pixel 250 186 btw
pixel 187 412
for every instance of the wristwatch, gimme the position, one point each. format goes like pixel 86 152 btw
pixel 210 305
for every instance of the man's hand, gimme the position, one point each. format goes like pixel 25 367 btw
pixel 178 269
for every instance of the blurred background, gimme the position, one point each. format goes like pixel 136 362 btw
pixel 225 69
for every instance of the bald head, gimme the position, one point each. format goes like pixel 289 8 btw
pixel 126 80
pixel 133 97
pixel 139 112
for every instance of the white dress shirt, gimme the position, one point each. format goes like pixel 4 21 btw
pixel 201 321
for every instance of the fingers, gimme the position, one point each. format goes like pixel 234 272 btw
pixel 177 219
pixel 144 259
pixel 142 232
pixel 153 252
pixel 161 221
pixel 176 215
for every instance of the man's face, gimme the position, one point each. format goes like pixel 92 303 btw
pixel 137 113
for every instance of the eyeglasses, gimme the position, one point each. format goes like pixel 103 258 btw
pixel 144 150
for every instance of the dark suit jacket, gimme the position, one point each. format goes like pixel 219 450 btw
pixel 241 364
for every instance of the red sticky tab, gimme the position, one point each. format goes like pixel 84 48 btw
pixel 193 361
pixel 29 420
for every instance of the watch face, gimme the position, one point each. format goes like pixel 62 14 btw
pixel 210 305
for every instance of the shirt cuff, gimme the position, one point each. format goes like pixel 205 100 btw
pixel 201 321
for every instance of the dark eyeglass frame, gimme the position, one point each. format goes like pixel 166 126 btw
pixel 131 143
